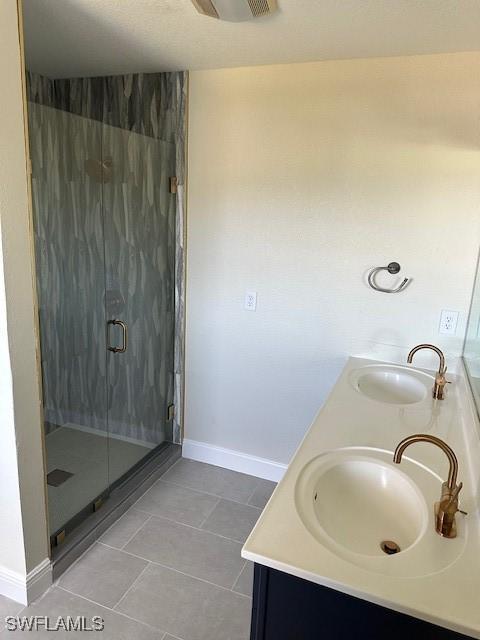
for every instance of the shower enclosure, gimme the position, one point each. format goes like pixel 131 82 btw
pixel 105 217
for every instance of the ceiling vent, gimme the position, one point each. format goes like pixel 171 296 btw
pixel 235 10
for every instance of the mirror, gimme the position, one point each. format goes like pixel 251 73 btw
pixel 471 350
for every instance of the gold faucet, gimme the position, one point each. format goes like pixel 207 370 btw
pixel 440 381
pixel 446 509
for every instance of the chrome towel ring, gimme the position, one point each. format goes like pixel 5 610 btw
pixel 393 268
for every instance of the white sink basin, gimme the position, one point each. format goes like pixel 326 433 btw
pixel 353 500
pixel 360 503
pixel 392 384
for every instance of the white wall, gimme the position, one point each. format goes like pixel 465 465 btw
pixel 23 527
pixel 12 555
pixel 302 178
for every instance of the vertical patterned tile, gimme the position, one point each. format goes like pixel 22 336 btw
pixel 109 242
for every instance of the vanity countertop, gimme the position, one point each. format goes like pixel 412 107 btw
pixel 348 419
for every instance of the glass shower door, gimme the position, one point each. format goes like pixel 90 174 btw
pixel 140 270
pixel 67 175
pixel 104 225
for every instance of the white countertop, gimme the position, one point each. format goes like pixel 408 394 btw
pixel 449 597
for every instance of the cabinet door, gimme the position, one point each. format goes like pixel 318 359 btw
pixel 288 608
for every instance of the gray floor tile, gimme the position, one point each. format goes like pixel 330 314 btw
pixel 177 503
pixel 8 608
pixel 211 479
pixel 187 608
pixel 197 553
pixel 232 520
pixel 103 575
pixel 120 533
pixel 262 493
pixel 244 584
pixel 58 602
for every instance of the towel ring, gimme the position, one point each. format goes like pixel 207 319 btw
pixel 393 268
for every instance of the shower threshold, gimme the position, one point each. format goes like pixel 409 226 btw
pixel 90 523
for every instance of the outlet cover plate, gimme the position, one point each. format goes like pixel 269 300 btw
pixel 251 300
pixel 448 322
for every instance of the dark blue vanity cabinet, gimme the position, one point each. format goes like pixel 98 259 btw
pixel 289 608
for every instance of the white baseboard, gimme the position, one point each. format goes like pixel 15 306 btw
pixel 23 589
pixel 234 460
pixel 13 585
pixel 39 580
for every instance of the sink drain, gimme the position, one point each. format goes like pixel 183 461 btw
pixel 389 547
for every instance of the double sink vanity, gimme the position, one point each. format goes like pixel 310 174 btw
pixel 374 526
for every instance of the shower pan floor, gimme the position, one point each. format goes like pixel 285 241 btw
pixel 94 462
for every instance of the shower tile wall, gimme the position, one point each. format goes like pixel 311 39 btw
pixel 151 107
pixel 70 266
pixel 139 215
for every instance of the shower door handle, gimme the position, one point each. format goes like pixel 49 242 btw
pixel 124 346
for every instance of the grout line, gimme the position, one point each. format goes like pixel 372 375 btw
pixel 75 562
pixel 200 526
pixel 119 613
pixel 188 575
pixel 189 526
pixel 174 464
pixel 114 524
pixel 160 481
pixel 114 608
pixel 150 516
pixel 198 492
pixel 238 577
pixel 253 492
pixel 209 493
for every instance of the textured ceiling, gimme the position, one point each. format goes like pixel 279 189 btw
pixel 66 38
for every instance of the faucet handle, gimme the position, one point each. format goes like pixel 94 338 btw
pixel 440 383
pixel 454 495
pixel 445 511
pixel 447 506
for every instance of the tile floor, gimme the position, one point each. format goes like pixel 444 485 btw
pixel 170 568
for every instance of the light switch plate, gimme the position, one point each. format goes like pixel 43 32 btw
pixel 448 322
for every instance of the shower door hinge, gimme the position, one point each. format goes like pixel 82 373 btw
pixel 173 184
pixel 171 412
pixel 58 538
pixel 97 504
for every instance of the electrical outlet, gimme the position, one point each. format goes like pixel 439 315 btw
pixel 251 301
pixel 448 322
